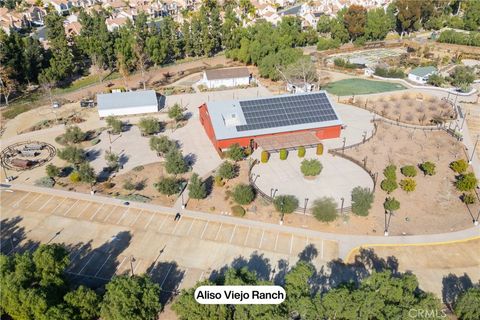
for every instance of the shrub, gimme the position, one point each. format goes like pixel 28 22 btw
pixel 219 181
pixel 469 198
pixel 196 187
pixel 135 197
pixel 327 43
pixel 390 172
pixel 72 154
pixel 408 185
pixel 128 185
pixel 168 186
pixel 227 170
pixel 362 199
pixel 408 171
pixel 301 152
pixel 391 204
pixel 285 203
pixel 389 73
pixel 175 163
pixel 248 151
pixel 243 194
pixel 325 209
pixel 283 154
pixel 342 63
pixel 428 168
pixel 388 185
pixel 115 124
pixel 311 167
pixel 45 182
pixel 74 177
pixel 466 182
pixel 176 112
pixel 236 152
pixel 265 156
pixel 95 141
pixel 161 145
pixel 319 149
pixel 465 305
pixel 138 168
pixel 52 171
pixel 74 135
pixel 149 125
pixel 238 211
pixel 459 166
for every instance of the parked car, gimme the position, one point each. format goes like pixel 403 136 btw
pixel 84 103
pixel 55 104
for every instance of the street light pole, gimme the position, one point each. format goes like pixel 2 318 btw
pixel 341 209
pixel 473 151
pixel 132 260
pixel 344 140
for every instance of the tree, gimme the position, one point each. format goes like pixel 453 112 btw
pixel 462 77
pixel 362 199
pixel 466 307
pixel 378 24
pixel 325 209
pixel 391 204
pixel 112 160
pixel 466 182
pixel 235 152
pixel 355 19
pixel 196 187
pixel 52 171
pixel 301 73
pixel 168 186
pixel 84 302
pixel 285 203
pixel 428 168
pixel 243 194
pixel 175 163
pixel 86 173
pixel 162 145
pixel 149 125
pixel 115 124
pixel 227 170
pixel 408 14
pixel 324 24
pixel 459 166
pixel 74 134
pixel 436 80
pixel 132 298
pixel 469 198
pixel 72 154
pixel 388 185
pixel 176 112
pixel 8 85
pixel 311 167
pixel 339 32
pixel 408 185
pixel 408 171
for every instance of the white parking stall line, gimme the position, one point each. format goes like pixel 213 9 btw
pixel 123 216
pixel 100 269
pixel 98 209
pixel 121 263
pixel 276 241
pixel 183 278
pixel 74 257
pixel 321 255
pixel 149 221
pixel 204 229
pixel 111 211
pixel 33 201
pixel 83 210
pixel 46 202
pixel 73 205
pixel 80 272
pixel 166 276
pixel 216 236
pixel 201 276
pixel 176 225
pixel 87 276
pixel 246 237
pixel 163 222
pixel 139 262
pixel 233 233
pixel 58 205
pixel 261 239
pixel 291 244
pixel 191 225
pixel 18 202
pixel 138 216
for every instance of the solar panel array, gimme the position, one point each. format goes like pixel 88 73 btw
pixel 286 111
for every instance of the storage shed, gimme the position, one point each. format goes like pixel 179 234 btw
pixel 227 77
pixel 127 103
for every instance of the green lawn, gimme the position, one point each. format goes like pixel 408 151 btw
pixel 350 87
pixel 84 82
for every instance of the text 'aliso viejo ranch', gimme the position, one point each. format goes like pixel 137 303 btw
pixel 240 294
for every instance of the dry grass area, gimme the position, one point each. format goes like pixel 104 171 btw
pixel 417 109
pixel 435 205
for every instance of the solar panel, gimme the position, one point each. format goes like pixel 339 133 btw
pixel 286 111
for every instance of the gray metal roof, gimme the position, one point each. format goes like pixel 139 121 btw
pixel 130 99
pixel 423 71
pixel 229 121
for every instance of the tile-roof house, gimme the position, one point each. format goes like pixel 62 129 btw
pixel 61 6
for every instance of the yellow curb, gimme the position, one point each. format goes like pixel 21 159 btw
pixel 349 255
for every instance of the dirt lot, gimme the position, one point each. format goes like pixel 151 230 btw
pixel 435 205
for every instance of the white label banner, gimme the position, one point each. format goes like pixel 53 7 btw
pixel 240 294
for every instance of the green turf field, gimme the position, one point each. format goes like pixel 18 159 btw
pixel 350 87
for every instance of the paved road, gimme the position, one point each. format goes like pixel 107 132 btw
pixel 345 242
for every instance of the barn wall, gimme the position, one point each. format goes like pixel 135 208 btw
pixel 127 111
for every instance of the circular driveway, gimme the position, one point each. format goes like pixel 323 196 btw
pixel 337 179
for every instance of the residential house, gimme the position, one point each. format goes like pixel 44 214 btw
pixel 61 6
pixel 421 74
pixel 115 23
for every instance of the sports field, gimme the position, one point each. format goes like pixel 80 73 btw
pixel 348 87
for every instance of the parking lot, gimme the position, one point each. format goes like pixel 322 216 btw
pixel 106 239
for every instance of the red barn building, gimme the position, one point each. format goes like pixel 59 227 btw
pixel 284 121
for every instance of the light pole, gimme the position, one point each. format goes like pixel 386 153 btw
pixel 281 210
pixel 473 151
pixel 274 193
pixel 364 136
pixel 132 260
pixel 344 140
pixel 463 120
pixel 183 202
pixel 305 212
pixel 341 209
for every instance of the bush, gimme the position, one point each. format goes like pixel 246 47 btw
pixel 128 185
pixel 362 199
pixel 227 170
pixel 327 43
pixel 176 112
pixel 285 203
pixel 325 209
pixel 238 211
pixel 175 163
pixel 428 168
pixel 408 171
pixel 265 156
pixel 319 149
pixel 390 172
pixel 219 181
pixel 469 198
pixel 149 125
pixel 342 63
pixel 301 152
pixel 45 182
pixel 168 186
pixel 408 185
pixel 283 154
pixel 196 187
pixel 52 171
pixel 161 145
pixel 74 177
pixel 466 182
pixel 74 135
pixel 243 194
pixel 95 141
pixel 465 305
pixel 389 73
pixel 138 168
pixel 459 166
pixel 311 167
pixel 135 197
pixel 115 124
pixel 236 152
pixel 391 204
pixel 389 185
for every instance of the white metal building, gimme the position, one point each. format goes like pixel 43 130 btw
pixel 421 74
pixel 127 103
pixel 229 77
